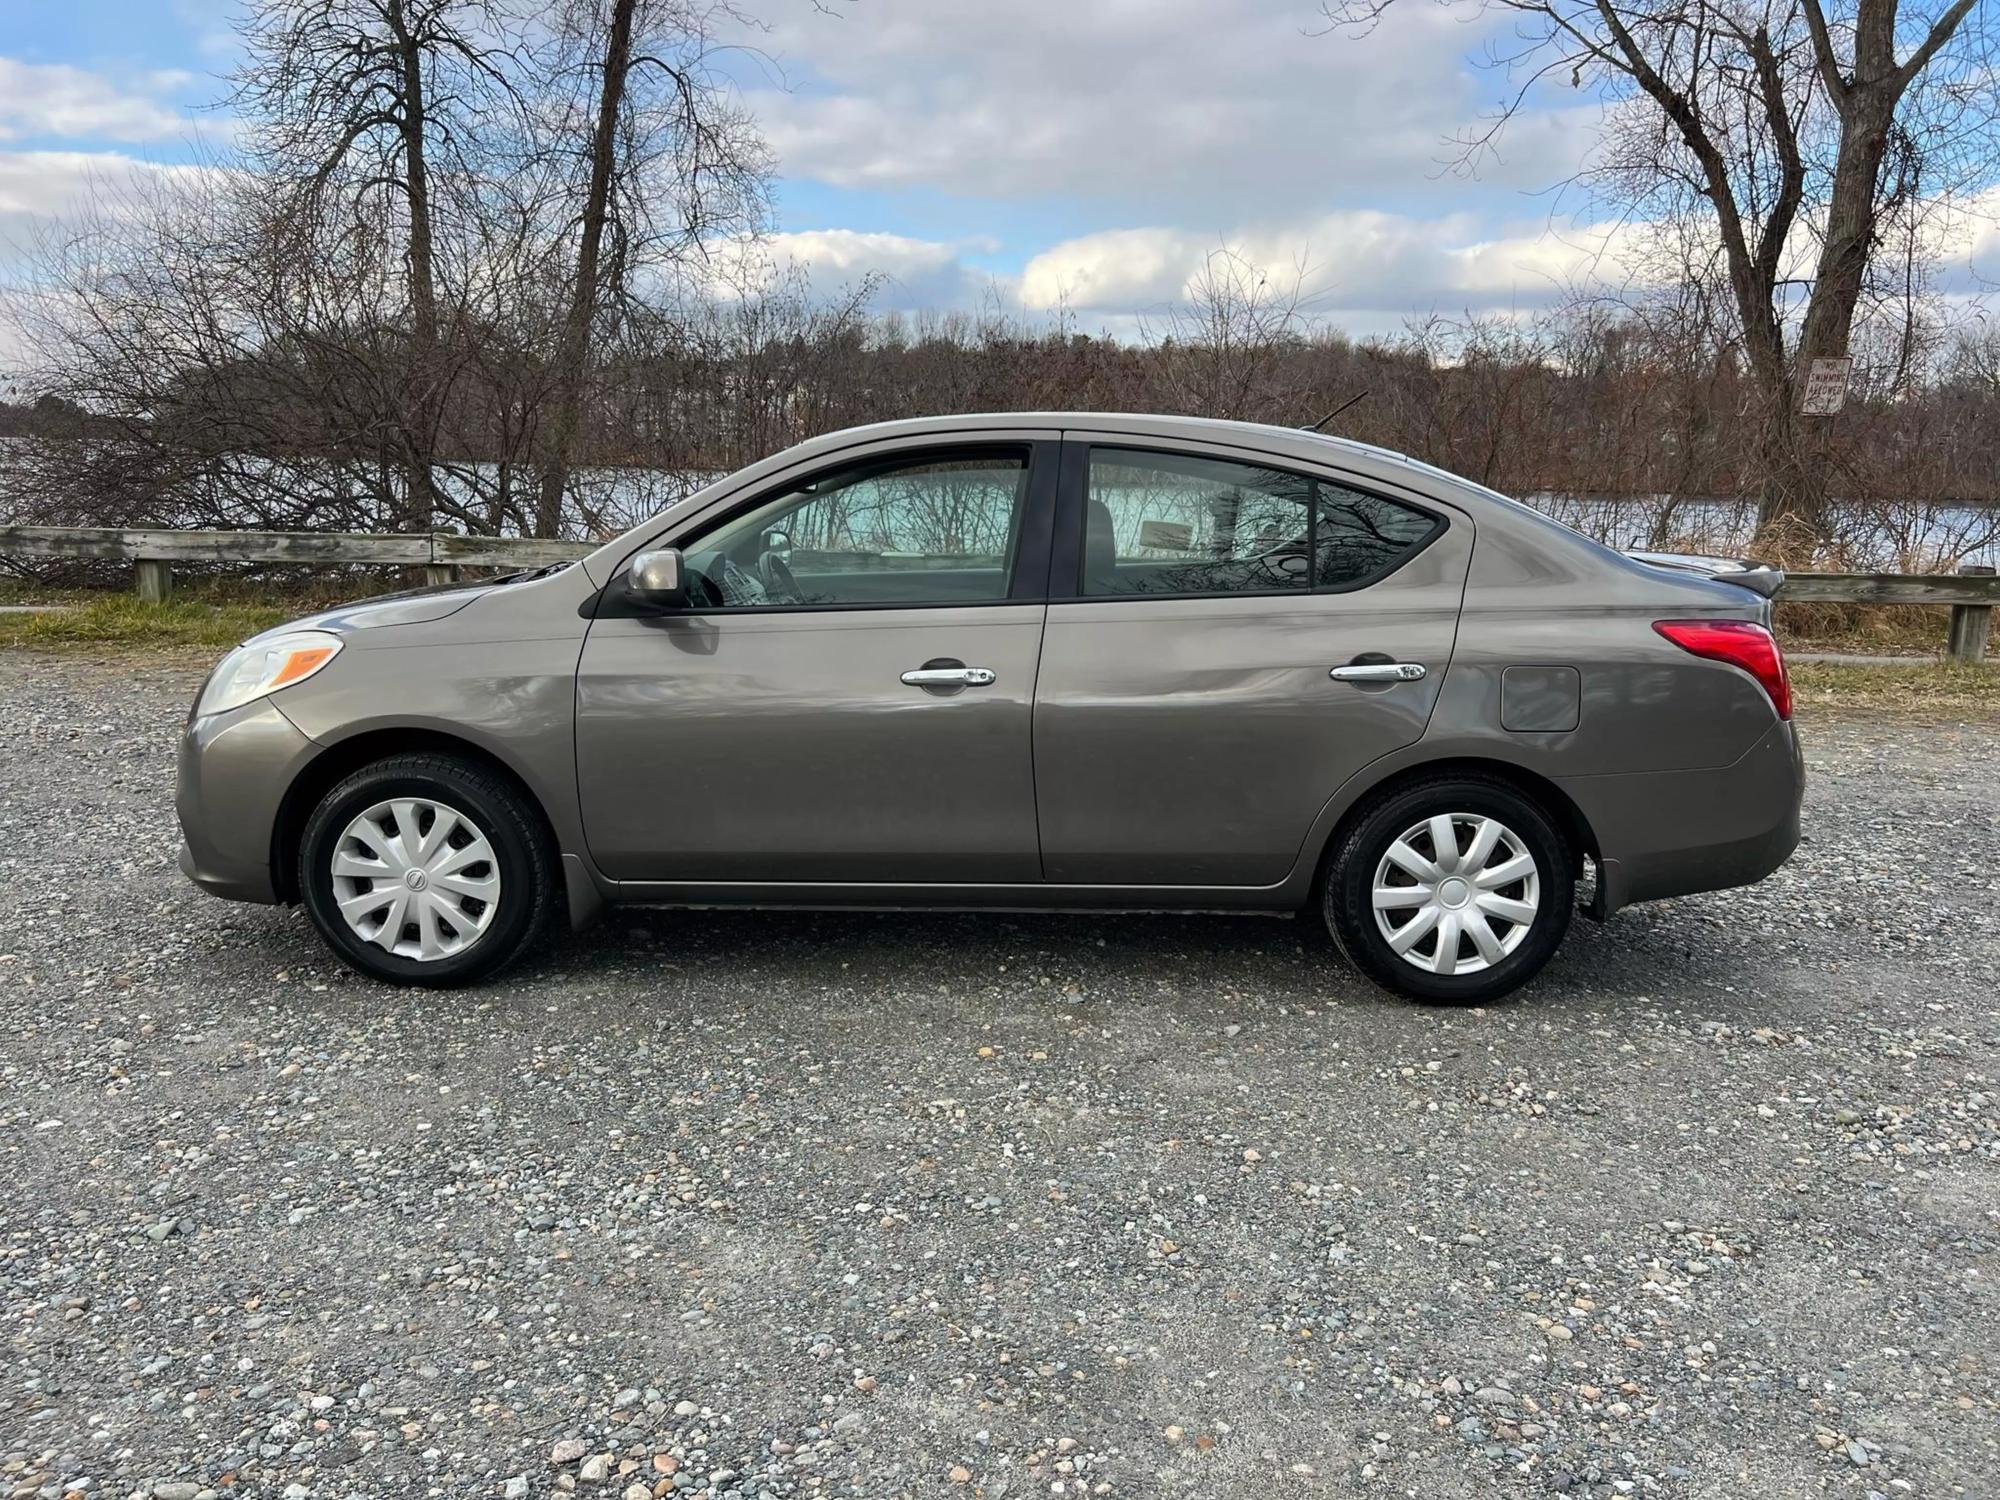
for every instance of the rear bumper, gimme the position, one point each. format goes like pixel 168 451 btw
pixel 234 771
pixel 1670 833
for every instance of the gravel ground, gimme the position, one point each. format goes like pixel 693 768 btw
pixel 748 1205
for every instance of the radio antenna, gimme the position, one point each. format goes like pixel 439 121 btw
pixel 1321 423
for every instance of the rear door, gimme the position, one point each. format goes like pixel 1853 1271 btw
pixel 1188 723
pixel 850 699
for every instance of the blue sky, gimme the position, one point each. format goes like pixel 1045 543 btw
pixel 163 53
pixel 1076 154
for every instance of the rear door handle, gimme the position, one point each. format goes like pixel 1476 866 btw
pixel 928 677
pixel 1381 671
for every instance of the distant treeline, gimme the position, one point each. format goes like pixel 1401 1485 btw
pixel 1580 402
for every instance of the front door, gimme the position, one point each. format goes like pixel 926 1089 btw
pixel 1188 728
pixel 850 696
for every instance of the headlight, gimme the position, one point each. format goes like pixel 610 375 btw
pixel 249 672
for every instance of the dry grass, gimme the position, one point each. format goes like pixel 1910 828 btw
pixel 1863 629
pixel 1920 688
pixel 123 620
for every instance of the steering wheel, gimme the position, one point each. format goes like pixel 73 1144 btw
pixel 775 574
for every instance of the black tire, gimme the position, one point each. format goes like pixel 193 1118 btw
pixel 523 855
pixel 1347 887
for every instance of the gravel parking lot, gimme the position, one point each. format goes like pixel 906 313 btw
pixel 746 1204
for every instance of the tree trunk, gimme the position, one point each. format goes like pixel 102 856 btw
pixel 1866 100
pixel 422 379
pixel 1787 511
pixel 1853 214
pixel 1775 453
pixel 573 352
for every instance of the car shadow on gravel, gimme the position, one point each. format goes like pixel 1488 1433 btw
pixel 777 957
pixel 1129 956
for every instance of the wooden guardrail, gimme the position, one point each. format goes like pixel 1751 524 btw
pixel 1971 594
pixel 155 550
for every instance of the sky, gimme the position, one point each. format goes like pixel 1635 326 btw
pixel 1075 155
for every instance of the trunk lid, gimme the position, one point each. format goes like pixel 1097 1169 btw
pixel 1759 578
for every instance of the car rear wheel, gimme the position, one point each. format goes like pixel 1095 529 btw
pixel 427 870
pixel 1454 890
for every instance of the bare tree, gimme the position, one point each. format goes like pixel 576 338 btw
pixel 351 99
pixel 669 161
pixel 1221 347
pixel 1793 131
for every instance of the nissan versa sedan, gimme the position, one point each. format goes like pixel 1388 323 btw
pixel 1026 660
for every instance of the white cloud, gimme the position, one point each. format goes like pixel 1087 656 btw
pixel 48 193
pixel 1215 109
pixel 1347 263
pixel 52 184
pixel 914 273
pixel 1365 270
pixel 54 99
pixel 40 191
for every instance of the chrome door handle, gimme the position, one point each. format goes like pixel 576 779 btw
pixel 1381 671
pixel 951 677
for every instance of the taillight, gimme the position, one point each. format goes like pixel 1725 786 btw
pixel 1741 644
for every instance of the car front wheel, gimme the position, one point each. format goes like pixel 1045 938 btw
pixel 1454 890
pixel 427 870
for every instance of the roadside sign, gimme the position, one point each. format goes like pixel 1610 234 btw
pixel 1826 386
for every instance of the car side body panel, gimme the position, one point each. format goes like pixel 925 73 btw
pixel 1185 740
pixel 498 675
pixel 1659 733
pixel 743 746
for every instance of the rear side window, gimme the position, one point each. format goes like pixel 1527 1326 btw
pixel 1172 523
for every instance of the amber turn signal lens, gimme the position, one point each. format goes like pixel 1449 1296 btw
pixel 301 663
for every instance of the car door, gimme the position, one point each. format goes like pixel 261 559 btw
pixel 1189 723
pixel 849 698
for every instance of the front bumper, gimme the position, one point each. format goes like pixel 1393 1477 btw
pixel 1670 833
pixel 234 771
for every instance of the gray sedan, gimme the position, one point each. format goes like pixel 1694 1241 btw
pixel 1026 660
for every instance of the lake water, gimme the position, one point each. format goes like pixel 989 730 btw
pixel 1891 536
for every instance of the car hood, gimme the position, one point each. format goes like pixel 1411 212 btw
pixel 410 607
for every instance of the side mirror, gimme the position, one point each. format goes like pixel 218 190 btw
pixel 659 577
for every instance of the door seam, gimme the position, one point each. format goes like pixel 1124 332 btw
pixel 1034 771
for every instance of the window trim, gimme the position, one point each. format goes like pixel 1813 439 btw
pixel 1027 575
pixel 1067 556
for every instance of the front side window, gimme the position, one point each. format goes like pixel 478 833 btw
pixel 930 529
pixel 1172 523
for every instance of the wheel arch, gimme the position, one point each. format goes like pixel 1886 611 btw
pixel 1545 793
pixel 344 757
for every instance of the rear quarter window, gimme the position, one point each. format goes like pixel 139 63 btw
pixel 1359 537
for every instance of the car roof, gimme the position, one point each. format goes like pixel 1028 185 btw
pixel 1151 424
pixel 1262 437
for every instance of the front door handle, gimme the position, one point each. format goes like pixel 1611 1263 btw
pixel 1381 671
pixel 931 677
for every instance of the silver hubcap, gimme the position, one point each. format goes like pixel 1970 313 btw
pixel 417 878
pixel 1456 893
